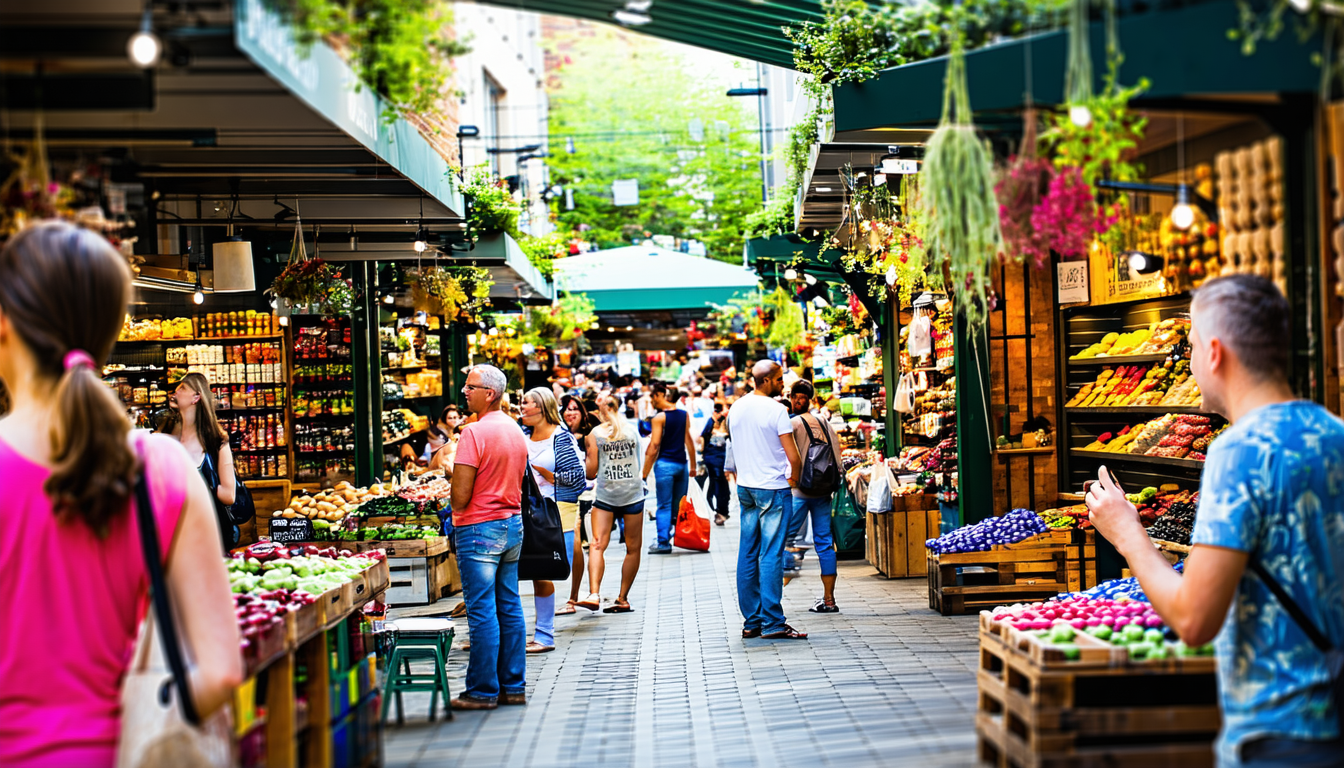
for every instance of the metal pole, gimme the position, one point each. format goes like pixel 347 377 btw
pixel 760 113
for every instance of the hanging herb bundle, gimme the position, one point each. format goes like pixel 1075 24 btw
pixel 958 197
pixel 1067 219
pixel 786 324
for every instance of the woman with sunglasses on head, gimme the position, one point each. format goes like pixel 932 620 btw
pixel 192 421
pixel 70 472
pixel 559 474
pixel 575 415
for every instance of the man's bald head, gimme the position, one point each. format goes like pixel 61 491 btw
pixel 762 370
pixel 768 377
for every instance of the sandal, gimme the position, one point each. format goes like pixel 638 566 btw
pixel 616 607
pixel 821 606
pixel 787 633
pixel 566 609
pixel 534 647
pixel 459 611
pixel 592 602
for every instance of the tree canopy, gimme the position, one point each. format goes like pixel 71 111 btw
pixel 642 109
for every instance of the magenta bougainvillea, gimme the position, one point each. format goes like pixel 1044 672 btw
pixel 1067 217
pixel 1019 191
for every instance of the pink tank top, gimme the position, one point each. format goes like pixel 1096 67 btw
pixel 70 612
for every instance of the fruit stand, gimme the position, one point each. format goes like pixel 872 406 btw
pixel 310 697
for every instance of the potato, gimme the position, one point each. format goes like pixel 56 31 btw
pixel 326 506
pixel 289 514
pixel 306 500
pixel 279 512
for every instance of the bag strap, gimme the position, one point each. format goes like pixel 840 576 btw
pixel 158 589
pixel 811 437
pixel 1317 639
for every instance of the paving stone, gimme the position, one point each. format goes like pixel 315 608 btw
pixel 885 682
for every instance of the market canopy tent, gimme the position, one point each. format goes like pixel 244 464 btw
pixel 645 277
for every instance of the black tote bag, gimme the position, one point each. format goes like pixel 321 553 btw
pixel 544 556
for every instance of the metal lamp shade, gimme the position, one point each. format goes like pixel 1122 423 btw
pixel 233 267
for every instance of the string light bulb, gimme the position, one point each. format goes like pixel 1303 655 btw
pixel 144 48
pixel 790 274
pixel 1080 115
pixel 1182 214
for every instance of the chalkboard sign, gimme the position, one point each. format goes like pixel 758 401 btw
pixel 286 529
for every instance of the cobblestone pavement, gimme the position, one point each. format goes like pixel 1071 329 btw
pixel 886 682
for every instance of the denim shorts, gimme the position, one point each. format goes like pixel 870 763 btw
pixel 629 509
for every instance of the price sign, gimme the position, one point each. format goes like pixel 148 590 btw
pixel 895 167
pixel 285 530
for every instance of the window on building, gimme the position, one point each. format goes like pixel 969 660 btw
pixel 494 120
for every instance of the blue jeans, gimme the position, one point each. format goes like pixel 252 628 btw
pixel 760 557
pixel 487 557
pixel 671 478
pixel 820 511
pixel 1290 753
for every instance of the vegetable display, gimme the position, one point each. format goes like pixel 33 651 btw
pixel 385 532
pixel 266 567
pixel 1177 524
pixel 1129 623
pixel 333 504
pixel 1160 337
pixel 1167 383
pixel 1018 525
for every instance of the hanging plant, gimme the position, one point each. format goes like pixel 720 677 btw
pixel 1067 218
pixel 786 324
pixel 958 197
pixel 458 294
pixel 1022 183
pixel 311 282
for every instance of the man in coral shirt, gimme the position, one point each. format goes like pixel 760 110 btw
pixel 488 536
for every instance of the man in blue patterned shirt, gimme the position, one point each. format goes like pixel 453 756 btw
pixel 1273 494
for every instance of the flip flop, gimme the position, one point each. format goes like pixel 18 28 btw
pixel 566 609
pixel 618 608
pixel 592 603
pixel 535 647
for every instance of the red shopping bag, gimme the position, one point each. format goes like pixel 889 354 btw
pixel 692 531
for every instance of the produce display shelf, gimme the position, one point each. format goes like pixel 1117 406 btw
pixel 263 337
pixel 1118 360
pixel 1138 458
pixel 266 482
pixel 1138 409
pixel 1010 452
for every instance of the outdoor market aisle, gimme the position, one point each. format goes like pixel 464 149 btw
pixel 885 682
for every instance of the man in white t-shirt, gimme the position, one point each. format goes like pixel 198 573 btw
pixel 767 465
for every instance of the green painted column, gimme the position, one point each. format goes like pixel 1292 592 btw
pixel 891 369
pixel 975 487
pixel 456 358
pixel 366 358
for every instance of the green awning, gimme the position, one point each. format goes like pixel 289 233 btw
pixel 1182 51
pixel 646 278
pixel 323 81
pixel 747 28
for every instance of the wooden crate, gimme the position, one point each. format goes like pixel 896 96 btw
pixel 421 580
pixel 896 539
pixel 1037 710
pixel 1032 569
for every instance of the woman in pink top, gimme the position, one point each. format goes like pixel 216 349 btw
pixel 69 542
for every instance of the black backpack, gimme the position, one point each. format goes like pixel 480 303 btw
pixel 821 469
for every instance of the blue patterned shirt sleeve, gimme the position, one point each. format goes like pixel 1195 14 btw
pixel 1273 487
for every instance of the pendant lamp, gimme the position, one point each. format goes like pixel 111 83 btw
pixel 233 261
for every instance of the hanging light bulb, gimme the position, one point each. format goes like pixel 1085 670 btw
pixel 821 302
pixel 1182 214
pixel 420 246
pixel 494 331
pixel 471 339
pixel 199 296
pixel 810 279
pixel 144 47
pixel 790 274
pixel 1080 115
pixel 388 299
pixel 891 275
pixel 284 320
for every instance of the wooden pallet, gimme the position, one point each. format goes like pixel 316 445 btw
pixel 1039 710
pixel 1029 570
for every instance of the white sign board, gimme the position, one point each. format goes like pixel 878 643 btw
pixel 895 167
pixel 625 192
pixel 1073 282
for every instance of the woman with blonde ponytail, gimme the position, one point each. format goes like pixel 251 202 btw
pixel 68 534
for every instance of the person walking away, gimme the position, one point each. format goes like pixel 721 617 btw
pixel 613 462
pixel 714 438
pixel 579 423
pixel 1270 517
pixel 555 464
pixel 69 467
pixel 192 422
pixel 671 457
pixel 813 504
pixel 486 497
pixel 767 465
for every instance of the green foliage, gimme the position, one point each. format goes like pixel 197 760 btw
pixel 400 48
pixel 774 218
pixel 786 326
pixel 958 197
pixel 857 39
pixel 494 209
pixel 638 109
pixel 1253 25
pixel 458 293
